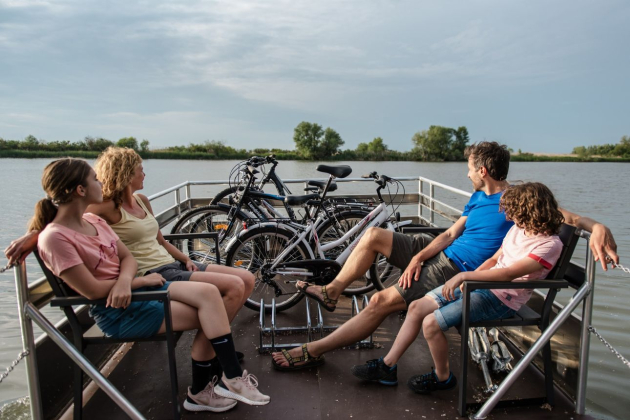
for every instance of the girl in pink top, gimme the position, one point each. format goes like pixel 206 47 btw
pixel 529 251
pixel 84 251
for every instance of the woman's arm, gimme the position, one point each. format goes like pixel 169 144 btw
pixel 519 269
pixel 175 253
pixel 18 250
pixel 602 242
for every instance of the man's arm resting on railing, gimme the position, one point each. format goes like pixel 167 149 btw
pixel 602 242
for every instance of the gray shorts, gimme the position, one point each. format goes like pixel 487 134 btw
pixel 435 272
pixel 176 271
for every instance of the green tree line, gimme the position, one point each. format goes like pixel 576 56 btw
pixel 621 149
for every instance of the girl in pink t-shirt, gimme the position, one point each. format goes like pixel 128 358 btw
pixel 85 252
pixel 529 251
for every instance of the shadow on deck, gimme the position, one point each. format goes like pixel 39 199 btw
pixel 328 392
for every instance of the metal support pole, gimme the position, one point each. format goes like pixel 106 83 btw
pixel 421 183
pixel 68 348
pixel 432 204
pixel 188 195
pixel 585 335
pixel 178 201
pixel 533 351
pixel 28 342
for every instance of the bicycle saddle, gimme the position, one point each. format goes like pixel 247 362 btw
pixel 322 184
pixel 296 200
pixel 338 171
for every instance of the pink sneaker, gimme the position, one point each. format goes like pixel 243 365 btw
pixel 242 388
pixel 208 399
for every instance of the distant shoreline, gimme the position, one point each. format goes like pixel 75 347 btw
pixel 518 157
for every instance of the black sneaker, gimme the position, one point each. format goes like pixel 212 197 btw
pixel 377 370
pixel 425 384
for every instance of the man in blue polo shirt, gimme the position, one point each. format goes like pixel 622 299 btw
pixel 427 263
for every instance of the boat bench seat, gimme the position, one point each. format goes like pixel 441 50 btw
pixel 558 278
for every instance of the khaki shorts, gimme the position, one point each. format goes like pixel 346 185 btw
pixel 435 272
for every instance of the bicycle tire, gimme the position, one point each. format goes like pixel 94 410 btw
pixel 334 228
pixel 261 245
pixel 214 218
pixel 222 194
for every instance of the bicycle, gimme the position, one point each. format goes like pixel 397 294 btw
pixel 249 202
pixel 280 253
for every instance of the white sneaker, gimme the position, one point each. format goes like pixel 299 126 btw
pixel 208 399
pixel 242 388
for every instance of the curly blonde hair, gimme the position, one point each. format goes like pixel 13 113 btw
pixel 114 168
pixel 533 208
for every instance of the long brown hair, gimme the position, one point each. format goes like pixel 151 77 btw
pixel 114 168
pixel 532 207
pixel 61 178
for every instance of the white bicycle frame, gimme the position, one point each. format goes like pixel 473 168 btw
pixel 375 218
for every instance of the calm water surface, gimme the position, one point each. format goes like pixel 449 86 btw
pixel 597 190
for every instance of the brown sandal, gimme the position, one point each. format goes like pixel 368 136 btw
pixel 309 360
pixel 324 301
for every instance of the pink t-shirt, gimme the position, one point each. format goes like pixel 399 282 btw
pixel 516 246
pixel 62 248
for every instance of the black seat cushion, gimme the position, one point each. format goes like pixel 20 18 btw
pixel 338 171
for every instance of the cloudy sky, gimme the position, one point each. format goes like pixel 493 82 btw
pixel 537 75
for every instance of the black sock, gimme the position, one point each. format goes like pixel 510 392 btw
pixel 224 348
pixel 201 374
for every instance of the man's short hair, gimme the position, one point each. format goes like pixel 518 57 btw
pixel 491 155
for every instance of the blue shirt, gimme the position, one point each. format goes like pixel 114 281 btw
pixel 483 234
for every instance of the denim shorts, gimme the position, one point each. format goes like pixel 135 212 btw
pixel 139 319
pixel 176 271
pixel 484 306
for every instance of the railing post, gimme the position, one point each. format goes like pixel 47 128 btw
pixel 188 194
pixel 28 342
pixel 585 335
pixel 432 210
pixel 178 202
pixel 421 183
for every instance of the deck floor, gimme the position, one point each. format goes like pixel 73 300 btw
pixel 328 392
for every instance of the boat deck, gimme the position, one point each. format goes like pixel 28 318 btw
pixel 327 392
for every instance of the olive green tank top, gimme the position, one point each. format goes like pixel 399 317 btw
pixel 140 236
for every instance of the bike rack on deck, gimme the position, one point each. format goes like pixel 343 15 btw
pixel 309 328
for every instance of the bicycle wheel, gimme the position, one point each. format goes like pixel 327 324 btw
pixel 256 250
pixel 333 229
pixel 383 274
pixel 209 219
pixel 221 195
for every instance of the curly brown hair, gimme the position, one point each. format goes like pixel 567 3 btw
pixel 533 208
pixel 114 168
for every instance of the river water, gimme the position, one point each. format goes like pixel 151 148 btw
pixel 597 190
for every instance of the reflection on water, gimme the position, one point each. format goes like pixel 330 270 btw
pixel 591 189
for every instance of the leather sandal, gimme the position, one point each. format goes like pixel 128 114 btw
pixel 324 301
pixel 309 361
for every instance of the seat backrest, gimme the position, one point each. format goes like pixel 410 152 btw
pixel 57 285
pixel 569 241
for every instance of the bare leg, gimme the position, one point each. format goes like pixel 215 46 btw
pixel 248 279
pixel 416 314
pixel 186 318
pixel 231 287
pixel 382 304
pixel 375 240
pixel 206 300
pixel 438 346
